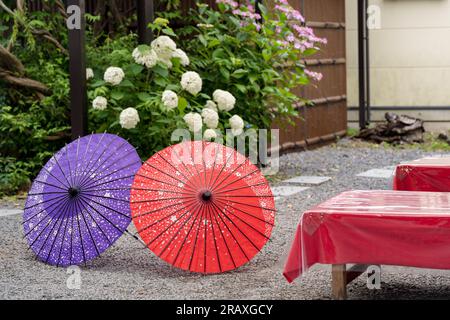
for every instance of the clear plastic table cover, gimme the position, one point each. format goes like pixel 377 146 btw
pixel 426 174
pixel 384 227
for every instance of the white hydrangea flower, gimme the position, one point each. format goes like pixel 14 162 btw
pixel 129 118
pixel 236 124
pixel 89 73
pixel 169 99
pixel 114 75
pixel 225 100
pixel 209 134
pixel 210 118
pixel 167 62
pixel 164 47
pixel 146 58
pixel 180 54
pixel 193 121
pixel 211 105
pixel 99 103
pixel 191 82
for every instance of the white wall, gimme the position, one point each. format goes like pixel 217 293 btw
pixel 409 58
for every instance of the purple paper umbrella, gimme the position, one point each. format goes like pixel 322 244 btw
pixel 78 205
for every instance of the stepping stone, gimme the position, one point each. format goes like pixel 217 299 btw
pixel 9 212
pixel 377 173
pixel 285 191
pixel 316 180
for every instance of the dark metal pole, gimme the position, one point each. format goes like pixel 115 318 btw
pixel 362 63
pixel 77 68
pixel 367 63
pixel 145 15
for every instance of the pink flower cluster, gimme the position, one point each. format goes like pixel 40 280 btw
pixel 292 35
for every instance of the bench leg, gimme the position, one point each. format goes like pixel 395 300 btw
pixel 339 281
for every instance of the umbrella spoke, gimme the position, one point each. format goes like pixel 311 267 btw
pixel 70 169
pixel 50 184
pixel 85 153
pixel 237 180
pixel 109 208
pixel 246 223
pixel 46 216
pixel 184 165
pixel 162 219
pixel 244 212
pixel 62 183
pixel 163 199
pixel 87 227
pixel 218 213
pixel 224 239
pixel 178 231
pixel 181 172
pixel 185 183
pixel 240 188
pixel 163 182
pixel 60 198
pixel 60 168
pixel 90 164
pixel 221 170
pixel 187 234
pixel 159 209
pixel 94 183
pixel 251 205
pixel 109 181
pixel 106 197
pixel 214 238
pixel 111 155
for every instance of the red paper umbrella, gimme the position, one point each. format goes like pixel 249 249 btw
pixel 202 207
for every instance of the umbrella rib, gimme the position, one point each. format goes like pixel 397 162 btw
pixel 244 187
pixel 185 166
pixel 229 175
pixel 213 167
pixel 96 167
pixel 60 169
pixel 244 196
pixel 219 214
pixel 85 183
pixel 98 212
pixel 62 241
pixel 224 239
pixel 195 244
pixel 162 232
pixel 253 244
pixel 204 164
pixel 57 233
pixel 49 184
pixel 87 227
pixel 71 240
pixel 156 190
pixel 60 198
pixel 187 179
pixel 163 182
pixel 158 221
pixel 222 169
pixel 156 210
pixel 49 233
pixel 258 218
pixel 76 161
pixel 49 172
pixel 70 169
pixel 259 232
pixel 61 204
pixel 90 164
pixel 50 192
pixel 105 197
pixel 85 153
pixel 250 205
pixel 81 238
pixel 214 238
pixel 205 222
pixel 92 187
pixel 237 180
pixel 186 183
pixel 175 234
pixel 162 199
pixel 109 208
pixel 47 224
pixel 188 233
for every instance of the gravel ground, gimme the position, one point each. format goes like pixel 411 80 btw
pixel 129 271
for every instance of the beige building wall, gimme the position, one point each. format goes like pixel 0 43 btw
pixel 409 59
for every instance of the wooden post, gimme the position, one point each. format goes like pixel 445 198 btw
pixel 339 281
pixel 145 16
pixel 77 67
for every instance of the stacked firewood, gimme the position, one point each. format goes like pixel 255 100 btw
pixel 396 130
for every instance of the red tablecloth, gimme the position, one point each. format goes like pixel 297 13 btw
pixel 401 228
pixel 427 174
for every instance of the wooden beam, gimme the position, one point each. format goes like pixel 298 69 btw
pixel 145 15
pixel 77 68
pixel 339 281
